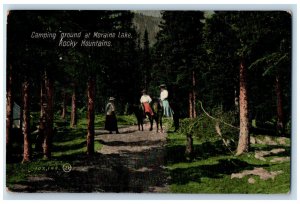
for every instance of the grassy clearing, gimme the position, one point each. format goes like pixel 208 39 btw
pixel 69 145
pixel 210 171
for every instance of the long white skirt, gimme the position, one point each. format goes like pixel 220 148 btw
pixel 168 112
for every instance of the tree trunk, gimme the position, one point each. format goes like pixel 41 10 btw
pixel 74 109
pixel 189 150
pixel 48 131
pixel 41 129
pixel 243 144
pixel 26 122
pixel 192 98
pixel 194 94
pixel 9 108
pixel 190 105
pixel 64 105
pixel 280 117
pixel 145 77
pixel 90 116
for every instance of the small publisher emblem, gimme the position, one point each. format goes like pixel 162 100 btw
pixel 67 167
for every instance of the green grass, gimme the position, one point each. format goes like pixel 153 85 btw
pixel 123 120
pixel 210 171
pixel 69 145
pixel 19 172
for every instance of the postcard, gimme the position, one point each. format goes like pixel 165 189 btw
pixel 148 101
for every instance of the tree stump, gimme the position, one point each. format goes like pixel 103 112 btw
pixel 189 150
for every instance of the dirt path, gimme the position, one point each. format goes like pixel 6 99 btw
pixel 130 140
pixel 132 161
pixel 141 154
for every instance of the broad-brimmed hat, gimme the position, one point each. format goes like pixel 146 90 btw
pixel 162 86
pixel 111 99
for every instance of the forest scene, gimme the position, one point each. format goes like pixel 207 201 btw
pixel 148 101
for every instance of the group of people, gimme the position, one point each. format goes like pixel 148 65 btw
pixel 111 120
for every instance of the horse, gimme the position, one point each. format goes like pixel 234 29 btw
pixel 140 115
pixel 158 114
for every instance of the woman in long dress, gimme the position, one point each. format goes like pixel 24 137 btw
pixel 168 112
pixel 111 119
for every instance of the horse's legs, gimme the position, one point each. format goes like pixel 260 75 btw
pixel 151 123
pixel 151 120
pixel 157 124
pixel 141 125
pixel 141 122
pixel 160 122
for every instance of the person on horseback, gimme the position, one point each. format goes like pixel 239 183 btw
pixel 168 112
pixel 145 101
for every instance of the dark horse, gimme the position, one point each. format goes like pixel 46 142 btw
pixel 158 114
pixel 140 115
pixel 138 111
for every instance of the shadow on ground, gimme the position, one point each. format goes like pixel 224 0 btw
pixel 101 173
pixel 223 167
pixel 176 153
pixel 125 143
pixel 183 175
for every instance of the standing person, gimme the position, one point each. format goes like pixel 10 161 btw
pixel 146 100
pixel 164 98
pixel 111 119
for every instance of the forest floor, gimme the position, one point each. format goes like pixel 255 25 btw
pixel 140 155
pixel 265 169
pixel 146 161
pixel 132 161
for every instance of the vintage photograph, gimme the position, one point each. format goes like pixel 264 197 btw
pixel 148 101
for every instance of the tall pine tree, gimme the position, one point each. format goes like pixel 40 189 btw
pixel 176 51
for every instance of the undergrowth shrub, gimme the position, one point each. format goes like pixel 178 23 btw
pixel 204 127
